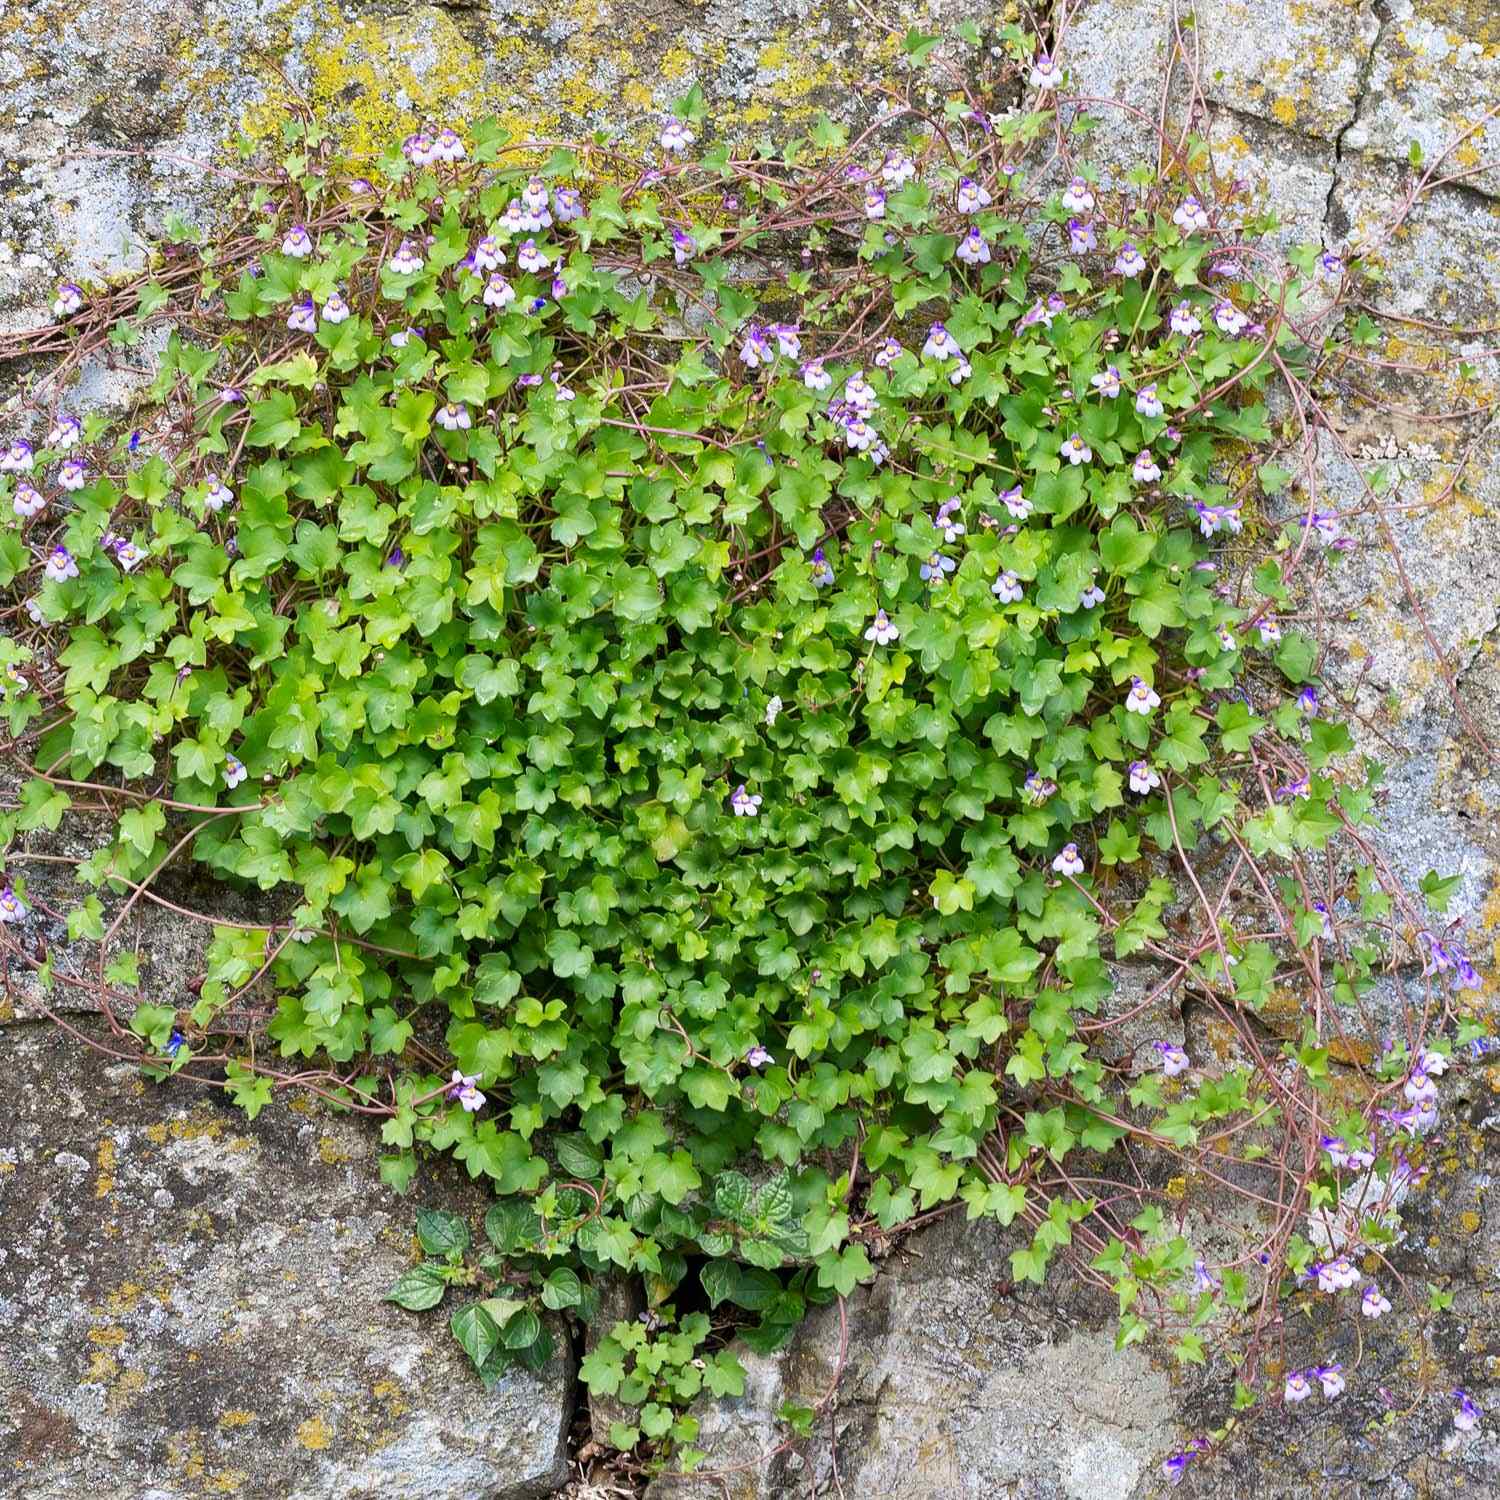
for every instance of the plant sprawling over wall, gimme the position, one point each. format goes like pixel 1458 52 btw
pixel 714 659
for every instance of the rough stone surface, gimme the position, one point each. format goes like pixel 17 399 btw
pixel 953 1389
pixel 190 1306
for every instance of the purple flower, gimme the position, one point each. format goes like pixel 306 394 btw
pixel 1130 261
pixel 756 349
pixel 1229 319
pixel 1075 450
pixel 1142 697
pixel 887 354
pixel 1091 596
pixel 1330 264
pixel 18 458
pixel 303 317
pixel 973 249
pixel 27 501
pixel 758 1057
pixel 822 575
pixel 335 309
pixel 448 146
pixel 12 908
pixel 407 261
pixel 1143 777
pixel 498 292
pixel 69 299
pixel 882 632
pixel 1078 196
pixel 1007 589
pixel 1307 700
pixel 454 417
pixel 940 344
pixel 745 804
pixel 676 136
pixel 1068 861
pixel 1146 401
pixel 684 246
pixel 60 565
pixel 297 243
pixel 1045 73
pixel 1107 382
pixel 464 1087
pixel 1332 1379
pixel 936 568
pixel 1469 1414
pixel 1015 502
pixel 1081 237
pixel 1373 1304
pixel 1298 1387
pixel 874 203
pixel 396 558
pixel 1173 1059
pixel 1146 470
pixel 1190 215
pixel 1184 320
pixel 65 432
pixel 529 258
pixel 972 196
pixel 567 204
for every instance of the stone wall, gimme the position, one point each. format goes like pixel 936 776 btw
pixel 190 1301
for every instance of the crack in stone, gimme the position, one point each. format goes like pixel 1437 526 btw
pixel 1382 13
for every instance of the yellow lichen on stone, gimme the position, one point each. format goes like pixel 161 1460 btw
pixel 315 1434
pixel 236 1417
pixel 105 1160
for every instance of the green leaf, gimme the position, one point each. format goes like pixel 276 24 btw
pixel 442 1233
pixel 418 1289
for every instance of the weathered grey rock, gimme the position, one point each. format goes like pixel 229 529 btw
pixel 191 1306
pixel 952 1390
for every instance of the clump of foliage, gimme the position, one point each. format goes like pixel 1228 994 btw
pixel 720 659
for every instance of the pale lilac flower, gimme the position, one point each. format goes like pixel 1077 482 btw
pixel 1045 73
pixel 1229 319
pixel 448 146
pixel 12 908
pixel 788 339
pixel 860 394
pixel 567 204
pixel 234 771
pixel 1466 976
pixel 1015 502
pixel 10 677
pixel 758 1057
pixel 745 804
pixel 34 612
pixel 946 522
pixel 972 196
pixel 1204 1280
pixel 1091 596
pixel 1107 383
pixel 859 435
pixel 534 196
pixel 1146 470
pixel 822 575
pixel 1142 697
pixel 515 219
pixel 1322 910
pixel 1147 402
pixel 1068 861
pixel 128 555
pixel 1078 196
pixel 1081 237
pixel 814 376
pixel 1307 700
pixel 73 474
pixel 529 258
pixel 1332 1380
pixel 498 292
pixel 1007 588
pixel 218 494
pixel 897 168
pixel 335 309
pixel 297 243
pixel 1270 631
pixel 1226 639
pixel 1190 215
pixel 756 350
pixel 406 261
pixel 1299 787
pixel 1330 264
pixel 1143 777
pixel 1038 312
pixel 454 417
pixel 69 299
pixel 1468 1415
pixel 303 317
pixel 887 354
pixel 1173 1059
pixel 874 203
pixel 17 459
pixel 960 372
pixel 936 568
pixel 1037 788
pixel 1075 450
pixel 65 432
pixel 487 254
pixel 1298 1388
pixel 27 501
pixel 882 632
pixel 676 136
pixel 940 344
pixel 417 148
pixel 465 1088
pixel 1434 1063
pixel 1323 524
pixel 684 246
pixel 1184 320
pixel 229 395
pixel 1420 1089
pixel 1130 261
pixel 973 249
